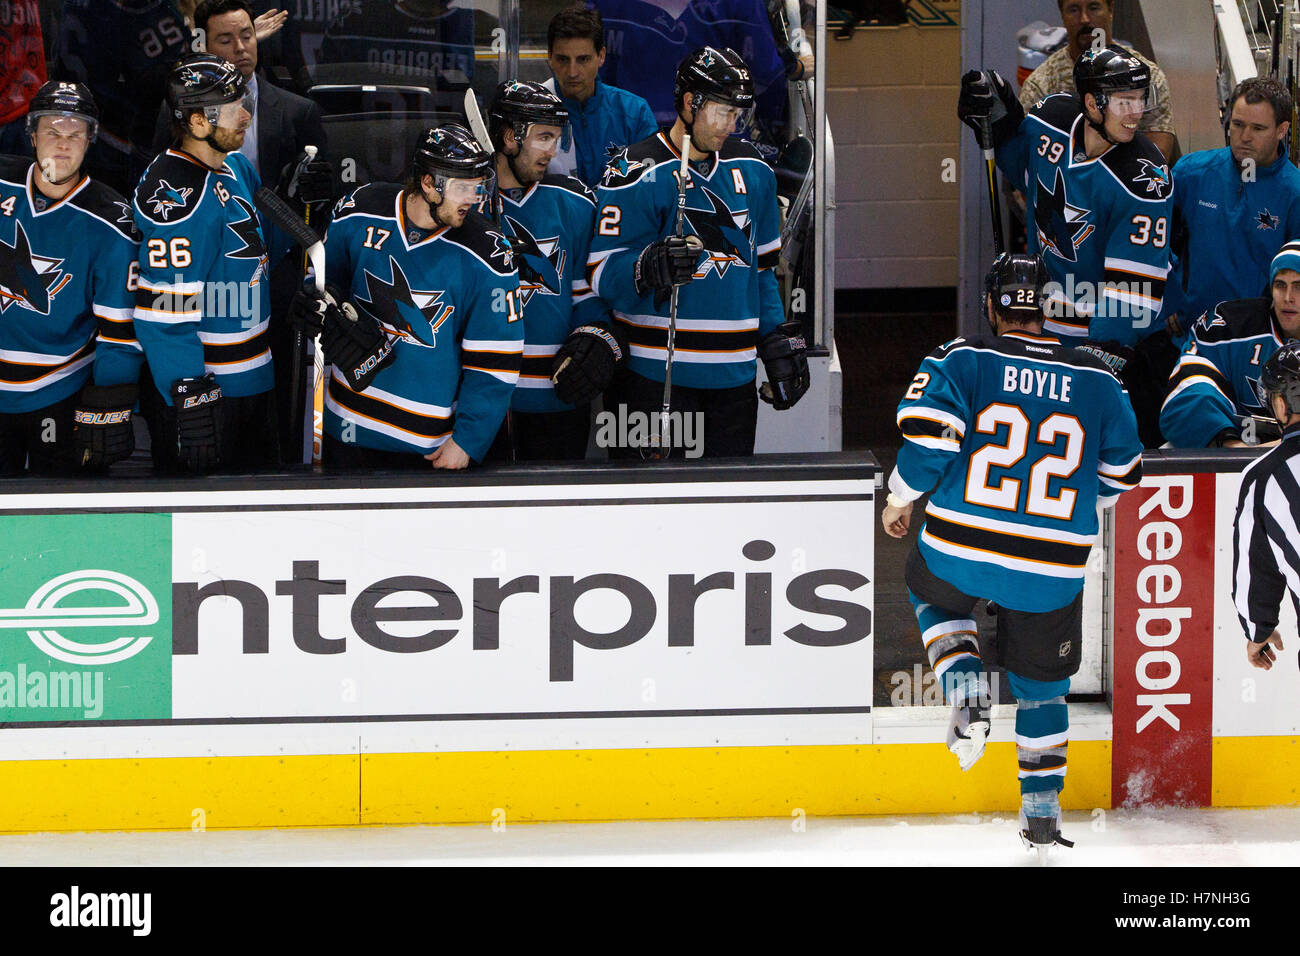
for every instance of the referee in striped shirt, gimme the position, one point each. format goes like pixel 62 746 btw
pixel 1266 532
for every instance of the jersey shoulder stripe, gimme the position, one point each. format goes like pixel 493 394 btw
pixel 735 148
pixel 107 205
pixel 1141 169
pixel 13 170
pixel 490 247
pixel 1234 320
pixel 1059 111
pixel 573 186
pixel 171 189
pixel 372 199
pixel 627 165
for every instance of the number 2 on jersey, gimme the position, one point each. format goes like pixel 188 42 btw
pixel 1005 493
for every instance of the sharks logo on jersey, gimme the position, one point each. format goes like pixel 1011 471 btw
pixel 502 250
pixel 1155 176
pixel 726 235
pixel 1062 227
pixel 250 235
pixel 412 314
pixel 540 261
pixel 1266 219
pixel 619 166
pixel 1255 388
pixel 28 279
pixel 167 197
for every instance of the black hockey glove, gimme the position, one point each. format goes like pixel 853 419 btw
pixel 355 344
pixel 981 104
pixel 1117 357
pixel 307 309
pixel 104 432
pixel 585 364
pixel 198 421
pixel 304 183
pixel 785 359
pixel 665 263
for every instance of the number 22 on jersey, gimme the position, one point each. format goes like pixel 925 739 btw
pixel 1005 493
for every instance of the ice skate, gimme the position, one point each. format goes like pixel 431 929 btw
pixel 967 732
pixel 1040 824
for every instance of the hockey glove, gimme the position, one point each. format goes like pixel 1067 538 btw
pixel 1116 356
pixel 785 359
pixel 981 106
pixel 665 263
pixel 304 183
pixel 585 364
pixel 355 344
pixel 198 422
pixel 307 312
pixel 104 432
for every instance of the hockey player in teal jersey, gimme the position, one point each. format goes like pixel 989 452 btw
pixel 1215 396
pixel 202 310
pixel 1017 439
pixel 67 274
pixel 729 311
pixel 423 329
pixel 1098 193
pixel 549 220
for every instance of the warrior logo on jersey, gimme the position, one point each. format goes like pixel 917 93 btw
pixel 1062 227
pixel 27 279
pixel 412 315
pixel 619 166
pixel 541 261
pixel 726 235
pixel 167 197
pixel 1266 219
pixel 1156 177
pixel 502 250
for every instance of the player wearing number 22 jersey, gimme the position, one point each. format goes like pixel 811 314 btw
pixel 1020 439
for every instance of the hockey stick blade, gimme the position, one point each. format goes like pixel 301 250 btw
pixel 476 125
pixel 283 216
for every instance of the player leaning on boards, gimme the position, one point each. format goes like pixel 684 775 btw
pixel 67 263
pixel 1099 208
pixel 202 309
pixel 729 308
pixel 549 220
pixel 1266 530
pixel 1017 438
pixel 1216 398
pixel 422 326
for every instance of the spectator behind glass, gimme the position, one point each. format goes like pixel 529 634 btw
pixel 602 118
pixel 1248 191
pixel 1056 74
pixel 645 37
pixel 122 51
pixel 22 71
pixel 401 36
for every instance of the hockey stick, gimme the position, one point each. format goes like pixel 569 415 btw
pixel 991 176
pixel 657 439
pixel 279 212
pixel 479 129
pixel 297 395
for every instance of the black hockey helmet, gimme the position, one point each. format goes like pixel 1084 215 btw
pixel 520 105
pixel 1281 375
pixel 1108 70
pixel 204 81
pixel 1016 281
pixel 59 98
pixel 713 74
pixel 450 152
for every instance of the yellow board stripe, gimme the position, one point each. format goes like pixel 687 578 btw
pixel 1255 771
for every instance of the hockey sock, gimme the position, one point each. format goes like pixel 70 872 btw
pixel 1042 733
pixel 952 647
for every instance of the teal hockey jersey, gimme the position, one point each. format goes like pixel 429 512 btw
pixel 550 226
pixel 1101 225
pixel 450 299
pixel 1019 439
pixel 203 302
pixel 67 289
pixel 733 300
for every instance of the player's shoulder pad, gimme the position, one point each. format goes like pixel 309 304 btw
pixel 1082 357
pixel 1058 111
pixel 171 189
pixel 107 205
pixel 485 242
pixel 372 199
pixel 735 148
pixel 944 350
pixel 1141 169
pixel 13 169
pixel 1234 319
pixel 628 164
pixel 568 183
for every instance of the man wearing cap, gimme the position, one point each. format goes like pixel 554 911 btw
pixel 68 357
pixel 1216 398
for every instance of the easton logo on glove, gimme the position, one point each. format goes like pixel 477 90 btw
pixel 203 398
pixel 365 371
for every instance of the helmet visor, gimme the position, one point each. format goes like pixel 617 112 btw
pixel 73 127
pixel 718 115
pixel 461 192
pixel 237 114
